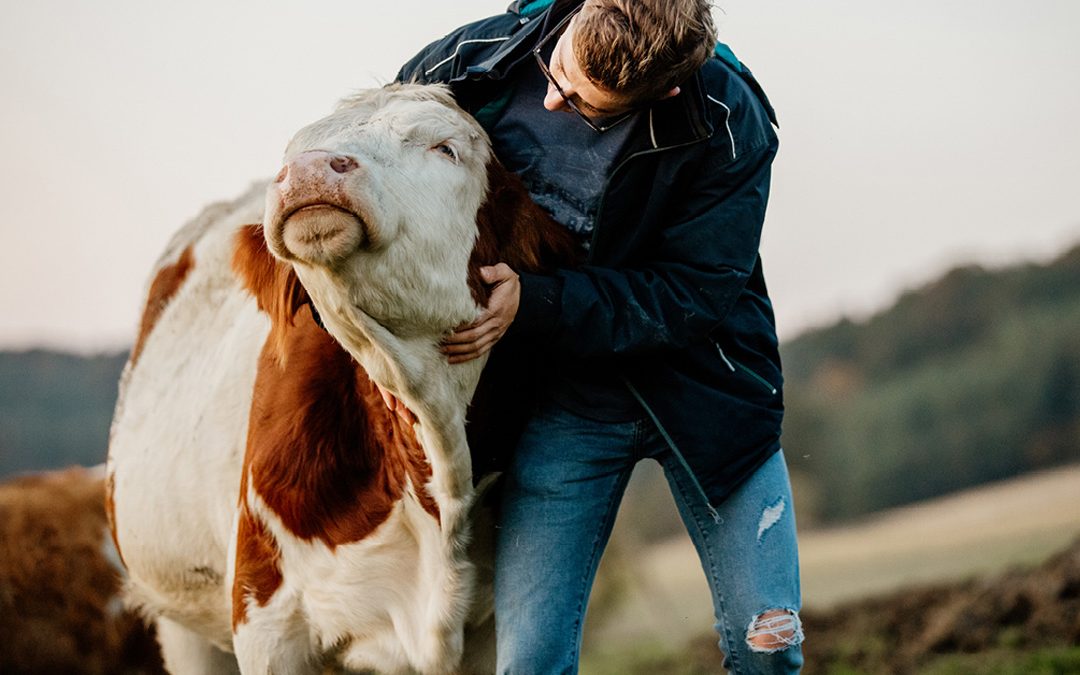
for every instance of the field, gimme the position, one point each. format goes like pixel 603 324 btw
pixel 662 600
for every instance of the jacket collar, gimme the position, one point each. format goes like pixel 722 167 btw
pixel 674 121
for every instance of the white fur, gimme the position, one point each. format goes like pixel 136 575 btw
pixel 398 600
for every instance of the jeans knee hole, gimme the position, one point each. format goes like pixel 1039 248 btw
pixel 774 631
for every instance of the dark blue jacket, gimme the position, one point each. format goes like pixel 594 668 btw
pixel 672 290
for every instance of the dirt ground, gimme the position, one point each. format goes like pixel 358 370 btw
pixel 1018 610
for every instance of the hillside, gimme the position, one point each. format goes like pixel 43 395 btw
pixel 974 378
pixel 55 408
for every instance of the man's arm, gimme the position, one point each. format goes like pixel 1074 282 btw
pixel 700 267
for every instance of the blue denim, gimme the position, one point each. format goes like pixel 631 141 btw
pixel 559 501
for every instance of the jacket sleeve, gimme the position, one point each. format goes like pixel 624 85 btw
pixel 701 264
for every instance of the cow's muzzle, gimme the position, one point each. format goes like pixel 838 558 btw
pixel 312 214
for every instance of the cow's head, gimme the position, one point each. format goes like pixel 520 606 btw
pixel 382 214
pixel 377 208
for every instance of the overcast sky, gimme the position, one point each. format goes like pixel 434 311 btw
pixel 914 136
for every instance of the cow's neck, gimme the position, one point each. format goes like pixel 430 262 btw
pixel 415 370
pixel 324 453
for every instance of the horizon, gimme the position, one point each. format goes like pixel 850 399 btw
pixel 991 267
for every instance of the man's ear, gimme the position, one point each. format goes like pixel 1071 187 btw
pixel 674 92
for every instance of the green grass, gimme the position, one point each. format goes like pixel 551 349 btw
pixel 648 658
pixel 1044 661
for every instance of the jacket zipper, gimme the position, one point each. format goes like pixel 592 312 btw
pixel 674 449
pixel 611 177
pixel 633 390
pixel 732 363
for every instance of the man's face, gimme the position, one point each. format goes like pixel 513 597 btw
pixel 592 100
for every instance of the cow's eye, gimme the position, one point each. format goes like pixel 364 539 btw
pixel 446 149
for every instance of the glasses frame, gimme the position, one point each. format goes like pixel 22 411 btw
pixel 556 32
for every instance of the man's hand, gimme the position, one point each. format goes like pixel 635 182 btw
pixel 394 404
pixel 477 338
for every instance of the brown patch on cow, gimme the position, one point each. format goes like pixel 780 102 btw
pixel 274 284
pixel 258 563
pixel 323 451
pixel 59 591
pixel 165 285
pixel 110 514
pixel 514 230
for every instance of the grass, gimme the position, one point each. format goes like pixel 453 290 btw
pixel 650 658
pixel 1045 661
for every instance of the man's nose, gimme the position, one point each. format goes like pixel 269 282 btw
pixel 554 101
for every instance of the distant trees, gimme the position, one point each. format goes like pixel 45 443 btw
pixel 972 379
pixel 55 408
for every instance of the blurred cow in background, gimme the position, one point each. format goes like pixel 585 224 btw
pixel 60 580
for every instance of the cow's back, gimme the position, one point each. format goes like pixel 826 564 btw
pixel 178 435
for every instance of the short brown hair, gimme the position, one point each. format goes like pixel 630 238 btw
pixel 641 49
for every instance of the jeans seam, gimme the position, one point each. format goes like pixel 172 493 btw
pixel 714 578
pixel 591 567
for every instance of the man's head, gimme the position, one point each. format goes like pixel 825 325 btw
pixel 617 54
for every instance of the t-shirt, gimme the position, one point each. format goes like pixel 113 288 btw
pixel 565 166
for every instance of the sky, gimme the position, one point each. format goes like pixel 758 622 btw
pixel 914 137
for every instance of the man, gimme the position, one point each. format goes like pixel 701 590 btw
pixel 656 151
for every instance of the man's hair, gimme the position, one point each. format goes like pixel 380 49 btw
pixel 641 49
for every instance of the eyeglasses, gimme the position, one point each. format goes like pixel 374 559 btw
pixel 555 33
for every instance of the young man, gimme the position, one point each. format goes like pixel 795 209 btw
pixel 655 149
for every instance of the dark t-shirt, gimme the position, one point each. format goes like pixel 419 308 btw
pixel 565 166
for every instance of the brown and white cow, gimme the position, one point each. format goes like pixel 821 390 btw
pixel 265 501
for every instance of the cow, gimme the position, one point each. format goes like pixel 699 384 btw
pixel 274 515
pixel 60 581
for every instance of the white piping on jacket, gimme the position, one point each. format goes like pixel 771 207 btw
pixel 727 124
pixel 458 48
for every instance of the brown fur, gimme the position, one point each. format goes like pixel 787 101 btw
pixel 56 585
pixel 276 287
pixel 258 569
pixel 323 451
pixel 515 231
pixel 165 285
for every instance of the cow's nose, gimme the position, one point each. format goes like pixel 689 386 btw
pixel 315 163
pixel 342 164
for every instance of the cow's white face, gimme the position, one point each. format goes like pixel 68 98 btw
pixel 376 207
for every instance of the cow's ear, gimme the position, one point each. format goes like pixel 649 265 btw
pixel 274 284
pixel 514 230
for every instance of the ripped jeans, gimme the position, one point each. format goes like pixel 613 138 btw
pixel 558 507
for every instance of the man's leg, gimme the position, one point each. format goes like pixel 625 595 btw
pixel 750 557
pixel 559 502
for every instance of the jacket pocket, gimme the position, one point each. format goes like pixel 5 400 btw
pixel 737 367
